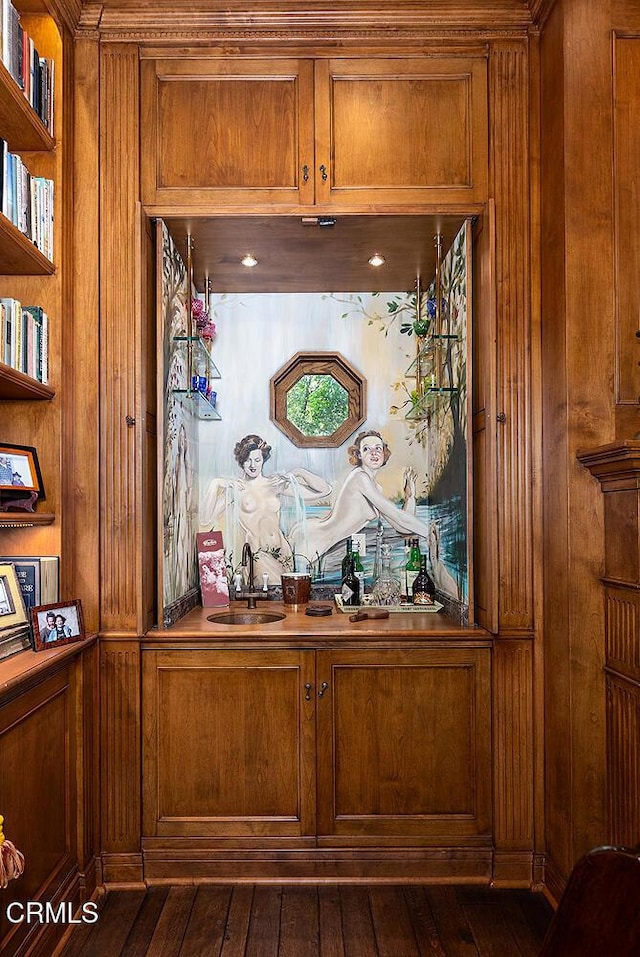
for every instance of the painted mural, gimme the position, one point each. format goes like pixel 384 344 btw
pixel 180 437
pixel 402 475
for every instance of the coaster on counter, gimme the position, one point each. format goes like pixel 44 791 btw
pixel 318 611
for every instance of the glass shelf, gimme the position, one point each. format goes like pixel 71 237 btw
pixel 200 352
pixel 197 404
pixel 430 398
pixel 426 355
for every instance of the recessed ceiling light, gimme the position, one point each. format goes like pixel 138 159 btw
pixel 377 260
pixel 249 260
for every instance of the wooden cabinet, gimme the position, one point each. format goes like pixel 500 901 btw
pixel 395 742
pixel 404 746
pixel 229 744
pixel 331 132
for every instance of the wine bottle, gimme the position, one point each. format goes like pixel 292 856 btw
pixel 423 587
pixel 358 570
pixel 412 568
pixel 347 557
pixel 350 589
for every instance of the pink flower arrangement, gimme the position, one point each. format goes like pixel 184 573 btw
pixel 206 328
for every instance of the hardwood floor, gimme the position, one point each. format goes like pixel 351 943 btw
pixel 267 920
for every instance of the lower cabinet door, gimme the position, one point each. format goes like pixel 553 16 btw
pixel 229 740
pixel 404 747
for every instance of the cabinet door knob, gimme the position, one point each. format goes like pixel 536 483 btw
pixel 323 688
pixel 308 688
pixel 305 173
pixel 323 171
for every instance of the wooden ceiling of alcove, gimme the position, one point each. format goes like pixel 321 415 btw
pixel 297 258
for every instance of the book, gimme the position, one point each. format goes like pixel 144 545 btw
pixel 213 571
pixel 38 577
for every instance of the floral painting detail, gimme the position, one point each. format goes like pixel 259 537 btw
pixel 179 492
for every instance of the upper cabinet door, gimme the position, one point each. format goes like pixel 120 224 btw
pixel 401 131
pixel 228 132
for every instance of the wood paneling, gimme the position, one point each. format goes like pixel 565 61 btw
pixel 626 91
pixel 509 138
pixel 245 766
pixel 623 763
pixel 403 746
pixel 120 759
pixel 255 131
pixel 435 107
pixel 120 349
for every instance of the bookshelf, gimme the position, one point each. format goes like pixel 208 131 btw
pixel 29 408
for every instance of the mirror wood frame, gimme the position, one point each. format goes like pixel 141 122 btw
pixel 318 363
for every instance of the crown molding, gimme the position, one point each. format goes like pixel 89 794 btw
pixel 540 10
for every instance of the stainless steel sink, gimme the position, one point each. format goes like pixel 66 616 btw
pixel 246 618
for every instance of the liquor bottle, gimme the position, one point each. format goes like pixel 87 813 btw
pixel 350 589
pixel 423 587
pixel 347 557
pixel 412 568
pixel 359 570
pixel 386 588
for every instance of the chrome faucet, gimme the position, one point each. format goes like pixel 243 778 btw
pixel 247 557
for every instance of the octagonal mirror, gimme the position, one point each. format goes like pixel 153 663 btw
pixel 318 399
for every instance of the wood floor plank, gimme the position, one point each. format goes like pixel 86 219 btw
pixel 139 938
pixel 299 925
pixel 205 931
pixel 108 934
pixel 172 923
pixel 235 938
pixel 492 934
pixel 391 922
pixel 528 940
pixel 264 927
pixel 455 933
pixel 330 921
pixel 357 926
pixel 423 923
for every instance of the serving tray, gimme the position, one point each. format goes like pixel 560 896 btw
pixel 404 607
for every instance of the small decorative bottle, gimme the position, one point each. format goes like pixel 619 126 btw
pixel 386 588
pixel 358 570
pixel 412 568
pixel 350 589
pixel 347 557
pixel 424 588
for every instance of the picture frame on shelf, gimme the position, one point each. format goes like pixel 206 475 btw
pixel 13 614
pixel 59 623
pixel 21 482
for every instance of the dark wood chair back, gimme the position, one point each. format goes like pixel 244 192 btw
pixel 599 912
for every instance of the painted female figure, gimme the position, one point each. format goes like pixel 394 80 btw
pixel 257 500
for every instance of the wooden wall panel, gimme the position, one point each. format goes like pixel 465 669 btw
pixel 120 759
pixel 119 346
pixel 509 138
pixel 626 91
pixel 513 760
pixel 623 761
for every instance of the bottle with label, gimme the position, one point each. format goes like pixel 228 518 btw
pixel 347 557
pixel 424 588
pixel 358 570
pixel 350 589
pixel 412 568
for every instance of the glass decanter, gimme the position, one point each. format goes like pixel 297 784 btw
pixel 386 588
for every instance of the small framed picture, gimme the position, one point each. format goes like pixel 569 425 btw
pixel 12 609
pixel 20 471
pixel 57 624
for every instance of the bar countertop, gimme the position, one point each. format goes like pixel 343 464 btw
pixel 297 626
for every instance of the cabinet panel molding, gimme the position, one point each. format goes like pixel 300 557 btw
pixel 120 352
pixel 623 763
pixel 513 744
pixel 508 95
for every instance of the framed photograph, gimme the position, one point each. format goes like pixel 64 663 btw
pixel 19 471
pixel 57 624
pixel 12 609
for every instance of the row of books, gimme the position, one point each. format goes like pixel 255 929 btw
pixel 24 338
pixel 33 73
pixel 27 201
pixel 38 577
